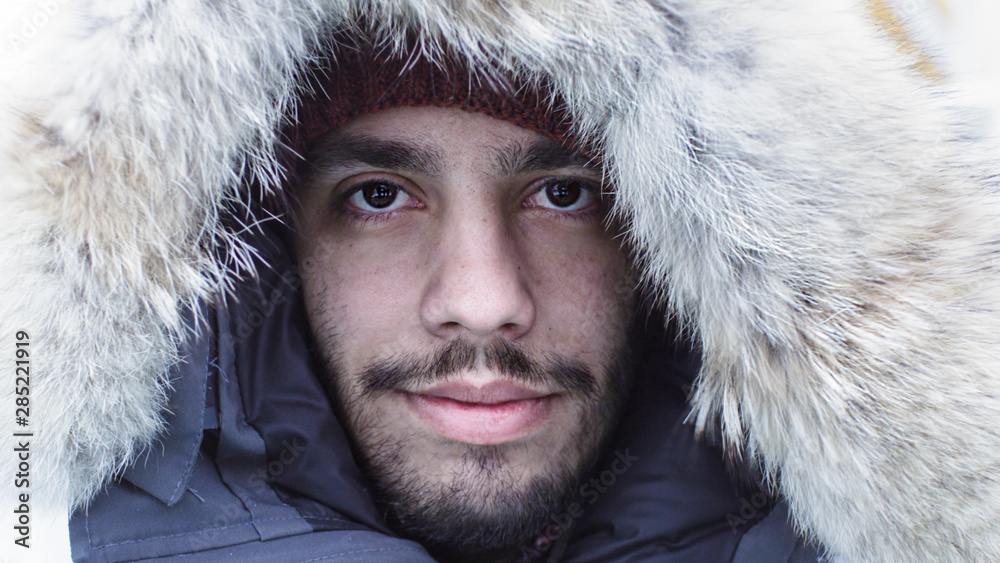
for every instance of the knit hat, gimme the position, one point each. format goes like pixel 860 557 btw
pixel 359 80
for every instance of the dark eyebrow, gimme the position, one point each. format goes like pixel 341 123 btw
pixel 352 149
pixel 545 154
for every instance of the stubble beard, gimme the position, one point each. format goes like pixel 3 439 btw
pixel 484 510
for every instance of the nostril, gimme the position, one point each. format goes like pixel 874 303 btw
pixel 511 329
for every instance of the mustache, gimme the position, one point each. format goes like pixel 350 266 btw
pixel 410 371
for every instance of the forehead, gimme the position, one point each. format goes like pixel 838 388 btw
pixel 427 140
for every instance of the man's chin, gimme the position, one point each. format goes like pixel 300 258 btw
pixel 483 508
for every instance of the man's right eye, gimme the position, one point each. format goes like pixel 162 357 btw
pixel 378 196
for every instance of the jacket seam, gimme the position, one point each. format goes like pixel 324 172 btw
pixel 191 533
pixel 179 490
pixel 197 553
pixel 334 556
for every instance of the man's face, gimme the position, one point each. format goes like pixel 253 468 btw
pixel 471 307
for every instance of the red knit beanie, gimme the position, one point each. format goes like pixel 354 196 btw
pixel 360 80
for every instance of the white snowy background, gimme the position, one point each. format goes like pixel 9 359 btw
pixel 962 39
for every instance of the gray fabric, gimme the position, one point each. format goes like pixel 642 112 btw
pixel 163 470
pixel 773 540
pixel 241 452
pixel 353 547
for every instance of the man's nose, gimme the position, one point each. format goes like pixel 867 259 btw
pixel 477 285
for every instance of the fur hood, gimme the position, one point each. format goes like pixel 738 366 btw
pixel 800 201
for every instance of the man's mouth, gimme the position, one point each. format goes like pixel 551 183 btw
pixel 496 413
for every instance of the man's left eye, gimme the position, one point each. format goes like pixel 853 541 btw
pixel 564 194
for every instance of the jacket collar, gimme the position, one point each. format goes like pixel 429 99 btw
pixel 164 469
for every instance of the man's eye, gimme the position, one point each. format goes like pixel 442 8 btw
pixel 564 194
pixel 378 196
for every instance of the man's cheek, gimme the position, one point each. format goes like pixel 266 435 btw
pixel 373 295
pixel 377 314
pixel 593 312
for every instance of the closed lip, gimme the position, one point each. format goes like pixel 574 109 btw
pixel 496 413
pixel 494 392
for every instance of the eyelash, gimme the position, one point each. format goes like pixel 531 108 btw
pixel 582 215
pixel 363 219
